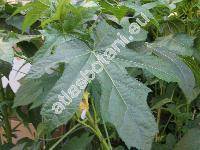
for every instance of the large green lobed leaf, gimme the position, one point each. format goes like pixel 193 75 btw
pixel 123 98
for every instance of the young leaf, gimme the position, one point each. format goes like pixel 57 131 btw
pixel 118 11
pixel 35 11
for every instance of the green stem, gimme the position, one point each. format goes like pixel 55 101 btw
pixel 7 126
pixel 94 110
pixel 8 129
pixel 188 107
pixel 97 133
pixel 159 112
pixel 101 138
pixel 158 123
pixel 107 136
pixel 64 136
pixel 167 124
pixel 94 127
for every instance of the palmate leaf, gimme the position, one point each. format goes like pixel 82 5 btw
pixel 8 41
pixel 105 35
pixel 41 59
pixel 123 100
pixel 181 44
pixel 134 57
pixel 169 48
pixel 70 75
pixel 187 80
pixel 123 103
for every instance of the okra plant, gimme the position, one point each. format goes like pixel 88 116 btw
pixel 101 74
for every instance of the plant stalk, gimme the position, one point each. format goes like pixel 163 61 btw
pixel 64 136
pixel 7 126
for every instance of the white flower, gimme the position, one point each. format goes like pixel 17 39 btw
pixel 19 70
pixel 84 105
pixel 83 114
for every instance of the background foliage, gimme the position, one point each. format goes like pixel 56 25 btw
pixel 146 98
